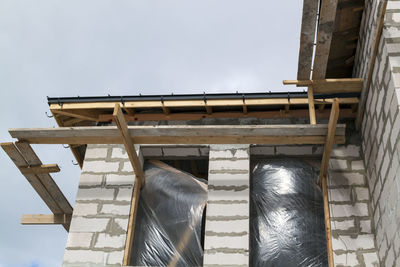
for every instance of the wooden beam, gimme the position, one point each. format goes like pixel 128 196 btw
pixel 166 110
pixel 295 113
pixel 128 143
pixel 51 186
pixel 131 225
pixel 327 220
pixel 78 107
pixel 42 191
pixel 40 169
pixel 311 105
pixel 307 36
pixel 364 94
pixel 287 108
pixel 323 173
pixel 332 126
pixel 326 26
pixel 41 219
pixel 330 86
pixel 23 156
pixel 130 111
pixel 90 115
pixel 208 109
pixel 183 134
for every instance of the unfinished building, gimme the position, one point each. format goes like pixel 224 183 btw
pixel 254 179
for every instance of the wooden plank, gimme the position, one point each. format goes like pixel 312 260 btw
pixel 307 36
pixel 327 220
pixel 364 94
pixel 131 225
pixel 41 219
pixel 295 113
pixel 129 145
pixel 40 169
pixel 326 25
pixel 341 81
pixel 330 86
pixel 287 108
pixel 19 161
pixel 68 107
pixel 332 126
pixel 208 109
pixel 182 134
pixel 84 114
pixel 177 131
pixel 323 173
pixel 265 140
pixel 45 178
pixel 311 105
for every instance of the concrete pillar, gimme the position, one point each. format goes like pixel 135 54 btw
pixel 227 216
pixel 100 218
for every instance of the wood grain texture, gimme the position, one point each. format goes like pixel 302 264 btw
pixel 326 27
pixel 40 219
pixel 129 145
pixel 183 134
pixel 307 36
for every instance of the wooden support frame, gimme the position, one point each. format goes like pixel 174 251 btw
pixel 183 134
pixel 307 36
pixel 40 169
pixel 311 105
pixel 295 113
pixel 129 145
pixel 139 179
pixel 44 219
pixel 131 225
pixel 78 107
pixel 330 86
pixel 326 26
pixel 23 156
pixel 323 176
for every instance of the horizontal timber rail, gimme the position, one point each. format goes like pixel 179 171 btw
pixel 41 219
pixel 183 134
pixel 200 103
pixel 330 86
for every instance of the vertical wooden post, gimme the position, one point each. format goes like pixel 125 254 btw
pixel 131 224
pixel 323 173
pixel 327 222
pixel 311 106
pixel 139 180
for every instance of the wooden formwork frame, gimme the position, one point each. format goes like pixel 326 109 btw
pixel 38 174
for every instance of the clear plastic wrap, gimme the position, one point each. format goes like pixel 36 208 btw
pixel 287 215
pixel 169 219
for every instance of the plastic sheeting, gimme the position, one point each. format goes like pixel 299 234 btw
pixel 287 215
pixel 169 218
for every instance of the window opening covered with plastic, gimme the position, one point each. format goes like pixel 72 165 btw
pixel 286 214
pixel 169 221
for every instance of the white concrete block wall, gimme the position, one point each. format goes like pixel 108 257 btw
pixel 99 222
pixel 226 240
pixel 353 239
pixel 381 127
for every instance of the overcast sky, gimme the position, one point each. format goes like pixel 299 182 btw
pixel 70 48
